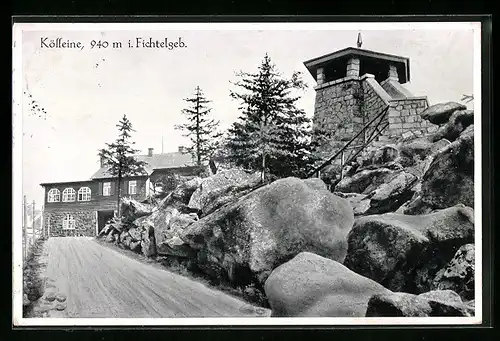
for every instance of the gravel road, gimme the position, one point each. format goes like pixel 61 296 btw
pixel 100 282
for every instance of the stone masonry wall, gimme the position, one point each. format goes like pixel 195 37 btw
pixel 374 102
pixel 85 223
pixel 405 120
pixel 334 111
pixel 343 108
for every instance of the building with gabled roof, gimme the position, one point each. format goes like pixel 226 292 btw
pixel 82 208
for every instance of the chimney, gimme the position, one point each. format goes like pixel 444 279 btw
pixel 102 161
pixel 150 151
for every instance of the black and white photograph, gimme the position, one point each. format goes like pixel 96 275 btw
pixel 247 173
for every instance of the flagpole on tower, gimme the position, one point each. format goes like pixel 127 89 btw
pixel 360 40
pixel 162 143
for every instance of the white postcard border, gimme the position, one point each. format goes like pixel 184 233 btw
pixel 18 320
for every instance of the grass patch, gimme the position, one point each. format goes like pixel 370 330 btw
pixel 33 284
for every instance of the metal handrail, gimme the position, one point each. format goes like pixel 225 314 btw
pixel 327 162
pixel 370 140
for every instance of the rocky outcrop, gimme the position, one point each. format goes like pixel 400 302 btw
pixel 313 286
pixel 433 303
pixel 450 177
pixel 246 240
pixel 458 274
pixel 404 252
pixel 301 244
pixel 440 113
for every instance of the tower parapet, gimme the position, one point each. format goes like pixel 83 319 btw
pixel 355 85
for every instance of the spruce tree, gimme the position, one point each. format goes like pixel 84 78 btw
pixel 119 159
pixel 200 129
pixel 271 132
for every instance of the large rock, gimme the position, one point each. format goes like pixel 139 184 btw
pixel 219 184
pixel 132 209
pixel 173 245
pixel 404 252
pixel 160 220
pixel 246 240
pixel 360 203
pixel 148 242
pixel 415 207
pixel 168 241
pixel 181 195
pixel 365 181
pixel 441 113
pixel 450 177
pixel 458 274
pixel 416 151
pixel 315 183
pixel 226 195
pixel 420 167
pixel 458 122
pixel 434 303
pixel 313 286
pixel 379 157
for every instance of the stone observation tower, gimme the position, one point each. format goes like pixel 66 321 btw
pixel 353 87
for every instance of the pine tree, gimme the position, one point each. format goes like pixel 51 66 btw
pixel 119 157
pixel 271 133
pixel 301 156
pixel 201 129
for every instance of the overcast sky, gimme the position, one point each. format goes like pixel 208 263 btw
pixel 85 92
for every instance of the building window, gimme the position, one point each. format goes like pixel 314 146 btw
pixel 54 195
pixel 69 194
pixel 84 194
pixel 132 187
pixel 68 222
pixel 106 189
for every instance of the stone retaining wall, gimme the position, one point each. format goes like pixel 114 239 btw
pixel 85 223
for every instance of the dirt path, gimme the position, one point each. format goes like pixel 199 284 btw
pixel 101 282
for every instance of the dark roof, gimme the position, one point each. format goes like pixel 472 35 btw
pixel 313 64
pixel 65 182
pixel 155 162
